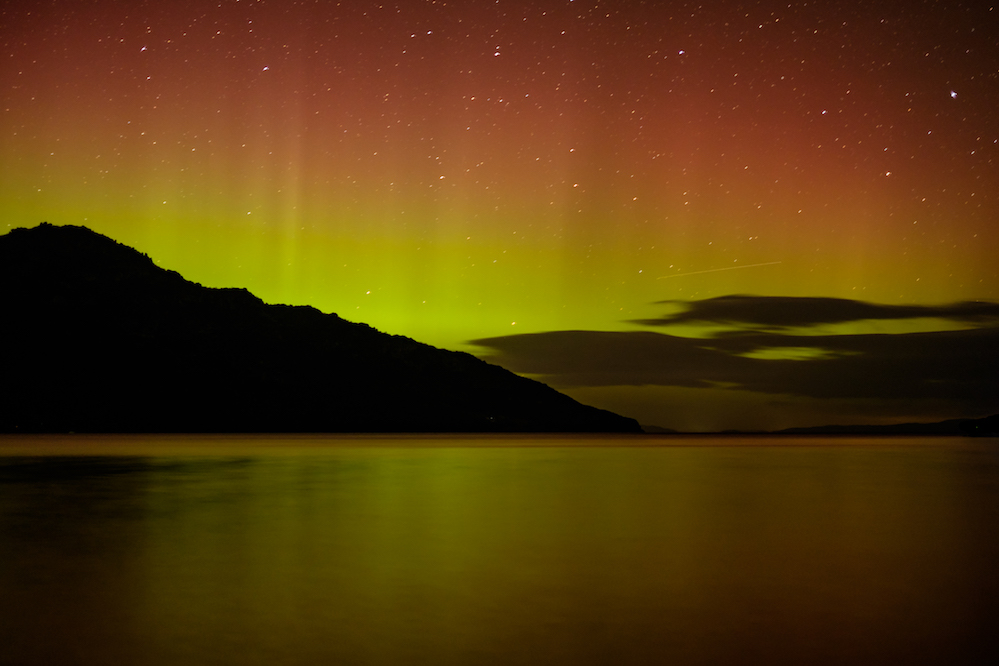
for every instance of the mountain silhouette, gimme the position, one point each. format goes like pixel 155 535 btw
pixel 97 338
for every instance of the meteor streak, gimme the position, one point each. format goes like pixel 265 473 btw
pixel 715 270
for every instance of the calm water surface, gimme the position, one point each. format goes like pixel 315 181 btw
pixel 522 550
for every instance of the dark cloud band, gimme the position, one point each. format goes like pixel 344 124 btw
pixel 786 311
pixel 960 367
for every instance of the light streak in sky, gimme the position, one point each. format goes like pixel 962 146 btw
pixel 715 270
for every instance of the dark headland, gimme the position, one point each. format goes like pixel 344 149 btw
pixel 96 338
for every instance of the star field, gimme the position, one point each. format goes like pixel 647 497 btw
pixel 458 170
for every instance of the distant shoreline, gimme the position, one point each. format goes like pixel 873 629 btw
pixel 242 444
pixel 981 427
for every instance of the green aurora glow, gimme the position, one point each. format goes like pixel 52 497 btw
pixel 453 172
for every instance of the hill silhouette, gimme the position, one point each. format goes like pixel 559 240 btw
pixel 97 338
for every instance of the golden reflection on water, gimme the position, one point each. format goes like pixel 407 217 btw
pixel 498 550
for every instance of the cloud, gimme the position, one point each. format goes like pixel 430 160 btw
pixel 773 312
pixel 957 367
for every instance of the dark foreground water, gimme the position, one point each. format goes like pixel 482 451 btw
pixel 422 550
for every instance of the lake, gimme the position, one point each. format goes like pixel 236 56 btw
pixel 498 550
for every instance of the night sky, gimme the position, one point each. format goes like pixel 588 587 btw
pixel 602 177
